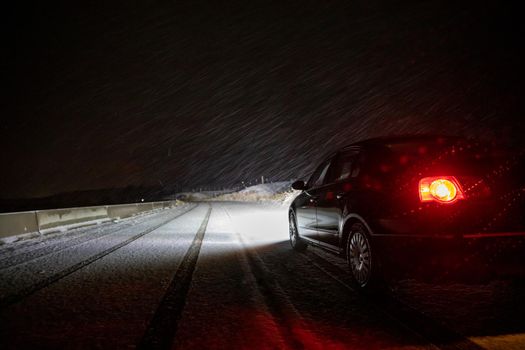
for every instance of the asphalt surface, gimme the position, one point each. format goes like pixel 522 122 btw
pixel 221 275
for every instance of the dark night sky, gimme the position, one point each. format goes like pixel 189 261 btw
pixel 211 93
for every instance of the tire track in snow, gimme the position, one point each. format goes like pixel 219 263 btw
pixel 163 326
pixel 81 238
pixel 294 330
pixel 31 244
pixel 25 292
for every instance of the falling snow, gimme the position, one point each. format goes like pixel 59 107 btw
pixel 186 95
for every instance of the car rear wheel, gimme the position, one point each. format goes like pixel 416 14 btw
pixel 296 242
pixel 361 260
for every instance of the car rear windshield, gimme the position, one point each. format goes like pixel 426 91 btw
pixel 442 153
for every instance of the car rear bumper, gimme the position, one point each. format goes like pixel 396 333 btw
pixel 501 253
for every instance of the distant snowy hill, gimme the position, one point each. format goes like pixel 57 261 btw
pixel 277 192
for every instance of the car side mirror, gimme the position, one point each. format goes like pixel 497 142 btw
pixel 299 185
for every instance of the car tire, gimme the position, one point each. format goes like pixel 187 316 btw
pixel 295 241
pixel 363 264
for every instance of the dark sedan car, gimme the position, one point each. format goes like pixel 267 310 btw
pixel 408 202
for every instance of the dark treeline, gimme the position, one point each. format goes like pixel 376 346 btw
pixel 131 194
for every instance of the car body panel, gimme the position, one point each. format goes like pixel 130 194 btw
pixel 306 215
pixel 329 212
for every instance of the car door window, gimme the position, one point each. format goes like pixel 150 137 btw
pixel 345 167
pixel 319 175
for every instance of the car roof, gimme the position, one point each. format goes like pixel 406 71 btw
pixel 388 140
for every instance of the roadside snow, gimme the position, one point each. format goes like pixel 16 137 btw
pixel 268 189
pixel 275 192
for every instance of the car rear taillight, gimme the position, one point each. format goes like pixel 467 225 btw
pixel 441 189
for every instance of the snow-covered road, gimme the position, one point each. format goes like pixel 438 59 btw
pixel 222 275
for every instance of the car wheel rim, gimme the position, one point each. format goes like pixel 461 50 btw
pixel 359 258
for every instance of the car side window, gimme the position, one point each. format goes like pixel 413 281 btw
pixel 345 167
pixel 317 178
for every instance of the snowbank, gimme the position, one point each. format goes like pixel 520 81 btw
pixel 277 192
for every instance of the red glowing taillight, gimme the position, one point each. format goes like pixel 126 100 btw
pixel 442 189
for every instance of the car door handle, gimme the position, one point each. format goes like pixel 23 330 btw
pixel 313 199
pixel 340 195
